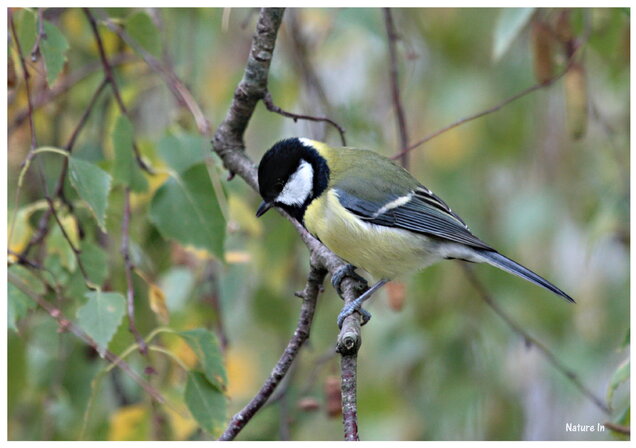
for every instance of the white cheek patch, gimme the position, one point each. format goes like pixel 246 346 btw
pixel 299 186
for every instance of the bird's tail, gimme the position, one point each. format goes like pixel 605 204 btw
pixel 505 263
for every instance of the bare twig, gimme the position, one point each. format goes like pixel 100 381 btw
pixel 301 334
pixel 108 72
pixel 128 265
pixel 269 103
pixel 176 86
pixel 533 88
pixel 395 88
pixel 67 325
pixel 531 341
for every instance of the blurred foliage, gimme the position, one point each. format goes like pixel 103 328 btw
pixel 545 180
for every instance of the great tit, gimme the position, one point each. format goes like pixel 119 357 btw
pixel 371 213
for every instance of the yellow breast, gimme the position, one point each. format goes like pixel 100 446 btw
pixel 384 252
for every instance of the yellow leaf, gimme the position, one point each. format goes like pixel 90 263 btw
pixel 156 298
pixel 129 423
pixel 70 226
pixel 22 231
pixel 158 303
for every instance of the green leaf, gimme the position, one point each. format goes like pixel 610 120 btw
pixel 95 261
pixel 206 403
pixel 182 151
pixel 92 184
pixel 19 306
pixel 141 28
pixel 101 316
pixel 509 24
pixel 206 346
pixel 185 208
pixel 621 375
pixel 26 27
pixel 54 47
pixel 125 170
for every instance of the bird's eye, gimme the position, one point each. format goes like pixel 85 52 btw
pixel 279 184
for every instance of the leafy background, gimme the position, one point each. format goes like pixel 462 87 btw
pixel 545 181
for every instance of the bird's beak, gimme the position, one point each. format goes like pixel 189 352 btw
pixel 263 208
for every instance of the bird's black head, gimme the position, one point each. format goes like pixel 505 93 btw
pixel 291 174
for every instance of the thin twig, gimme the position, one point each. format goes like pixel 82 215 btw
pixel 301 334
pixel 531 341
pixel 527 91
pixel 176 86
pixel 392 37
pixel 128 265
pixel 269 103
pixel 108 72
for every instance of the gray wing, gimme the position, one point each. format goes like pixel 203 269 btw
pixel 419 211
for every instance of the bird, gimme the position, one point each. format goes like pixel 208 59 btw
pixel 372 213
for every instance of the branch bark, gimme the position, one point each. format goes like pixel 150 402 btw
pixel 228 143
pixel 301 334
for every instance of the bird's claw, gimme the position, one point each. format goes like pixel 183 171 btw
pixel 347 270
pixel 351 308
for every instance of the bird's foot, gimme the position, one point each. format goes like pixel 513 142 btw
pixel 351 308
pixel 347 270
pixel 356 305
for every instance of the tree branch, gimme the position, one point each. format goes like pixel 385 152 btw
pixel 228 144
pixel 301 334
pixel 531 341
pixel 395 88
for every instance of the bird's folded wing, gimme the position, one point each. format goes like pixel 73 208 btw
pixel 419 211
